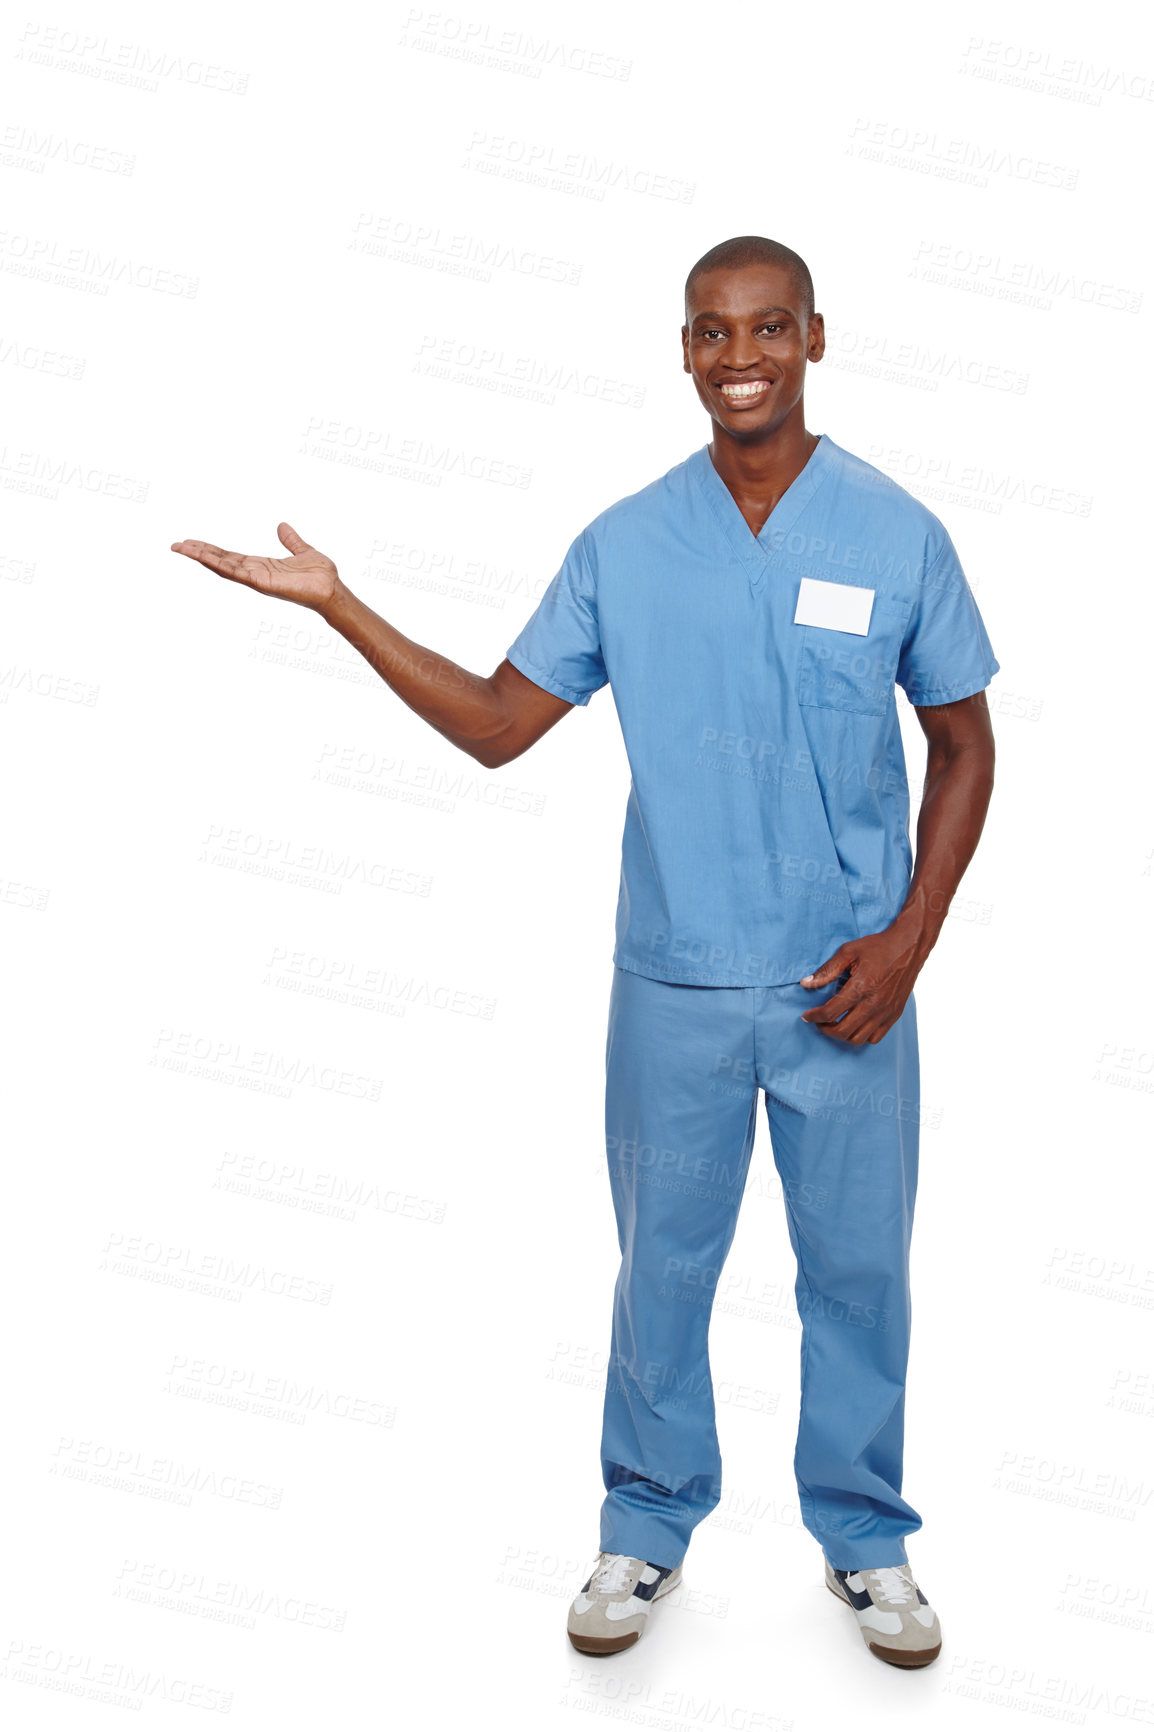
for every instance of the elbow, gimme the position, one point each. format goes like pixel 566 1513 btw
pixel 505 743
pixel 498 744
pixel 974 756
pixel 486 756
pixel 493 753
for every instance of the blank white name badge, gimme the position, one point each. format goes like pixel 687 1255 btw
pixel 836 606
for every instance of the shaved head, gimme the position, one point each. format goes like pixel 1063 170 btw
pixel 743 250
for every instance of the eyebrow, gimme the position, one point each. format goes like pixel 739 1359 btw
pixel 758 313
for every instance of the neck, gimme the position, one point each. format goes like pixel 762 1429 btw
pixel 758 471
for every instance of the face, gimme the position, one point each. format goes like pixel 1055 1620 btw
pixel 746 345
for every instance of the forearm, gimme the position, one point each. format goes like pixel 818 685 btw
pixel 463 706
pixel 955 800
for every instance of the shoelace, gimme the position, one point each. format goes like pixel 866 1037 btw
pixel 892 1586
pixel 612 1573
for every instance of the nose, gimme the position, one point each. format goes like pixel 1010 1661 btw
pixel 741 353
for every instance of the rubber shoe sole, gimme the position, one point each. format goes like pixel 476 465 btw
pixel 893 1656
pixel 618 1644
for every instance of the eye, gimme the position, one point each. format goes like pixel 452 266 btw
pixel 716 331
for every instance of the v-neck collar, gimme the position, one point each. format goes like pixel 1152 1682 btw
pixel 755 552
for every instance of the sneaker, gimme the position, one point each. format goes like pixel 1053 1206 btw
pixel 896 1620
pixel 612 1609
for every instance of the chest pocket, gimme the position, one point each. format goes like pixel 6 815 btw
pixel 838 670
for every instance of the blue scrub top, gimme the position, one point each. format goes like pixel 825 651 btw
pixel 768 817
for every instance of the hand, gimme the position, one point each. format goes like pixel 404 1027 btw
pixel 309 577
pixel 882 970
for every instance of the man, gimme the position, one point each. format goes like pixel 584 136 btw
pixel 752 610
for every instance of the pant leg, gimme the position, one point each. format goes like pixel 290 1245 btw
pixel 844 1126
pixel 680 1115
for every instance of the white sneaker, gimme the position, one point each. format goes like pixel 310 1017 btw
pixel 897 1622
pixel 612 1609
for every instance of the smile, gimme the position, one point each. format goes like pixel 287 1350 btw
pixel 745 393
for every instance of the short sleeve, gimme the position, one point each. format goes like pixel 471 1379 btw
pixel 559 646
pixel 946 654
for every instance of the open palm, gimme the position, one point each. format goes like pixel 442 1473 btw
pixel 308 577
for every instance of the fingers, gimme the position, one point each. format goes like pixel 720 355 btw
pixel 217 559
pixel 837 964
pixel 848 992
pixel 848 1015
pixel 851 1036
pixel 855 1029
pixel 864 1023
pixel 825 1015
pixel 239 566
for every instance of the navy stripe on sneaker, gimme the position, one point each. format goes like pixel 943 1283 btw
pixel 646 1590
pixel 858 1598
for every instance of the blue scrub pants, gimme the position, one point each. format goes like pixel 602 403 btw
pixel 684 1065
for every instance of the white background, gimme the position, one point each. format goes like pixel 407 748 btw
pixel 308 1243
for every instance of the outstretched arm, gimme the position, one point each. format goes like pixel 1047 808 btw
pixel 494 719
pixel 883 966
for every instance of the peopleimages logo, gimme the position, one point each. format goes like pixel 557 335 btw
pixel 963 159
pixel 486 44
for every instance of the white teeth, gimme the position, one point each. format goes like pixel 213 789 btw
pixel 744 390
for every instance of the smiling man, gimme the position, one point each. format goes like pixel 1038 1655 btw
pixel 753 610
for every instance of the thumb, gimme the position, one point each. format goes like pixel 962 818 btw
pixel 294 542
pixel 837 964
